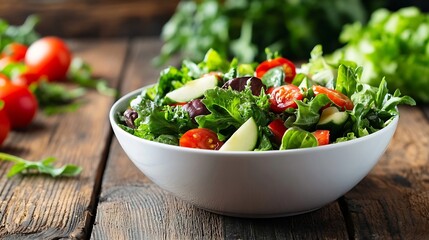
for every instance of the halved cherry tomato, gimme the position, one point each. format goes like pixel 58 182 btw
pixel 278 128
pixel 4 124
pixel 288 67
pixel 201 138
pixel 336 97
pixel 283 97
pixel 49 57
pixel 19 103
pixel 322 137
pixel 16 51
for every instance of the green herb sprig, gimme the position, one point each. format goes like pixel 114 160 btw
pixel 45 166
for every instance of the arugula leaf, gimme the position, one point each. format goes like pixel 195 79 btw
pixel 297 138
pixel 44 166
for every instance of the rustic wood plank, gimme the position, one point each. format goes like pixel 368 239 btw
pixel 89 18
pixel 393 201
pixel 325 223
pixel 38 207
pixel 132 207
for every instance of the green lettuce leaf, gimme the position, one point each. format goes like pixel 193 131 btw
pixel 297 138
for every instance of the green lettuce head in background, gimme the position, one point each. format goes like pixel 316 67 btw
pixel 394 45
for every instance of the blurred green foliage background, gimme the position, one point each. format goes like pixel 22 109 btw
pixel 244 28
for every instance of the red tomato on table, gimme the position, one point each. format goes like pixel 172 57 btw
pixel 25 78
pixel 336 97
pixel 283 97
pixel 201 138
pixel 49 57
pixel 19 103
pixel 16 51
pixel 4 124
pixel 288 67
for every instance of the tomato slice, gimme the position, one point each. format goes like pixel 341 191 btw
pixel 201 138
pixel 278 129
pixel 288 67
pixel 336 97
pixel 322 136
pixel 283 97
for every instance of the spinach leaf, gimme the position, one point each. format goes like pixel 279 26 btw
pixel 297 138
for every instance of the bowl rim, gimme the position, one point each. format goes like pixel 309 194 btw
pixel 128 96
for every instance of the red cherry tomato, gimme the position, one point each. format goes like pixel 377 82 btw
pixel 16 51
pixel 322 137
pixel 336 97
pixel 278 129
pixel 288 67
pixel 26 78
pixel 283 97
pixel 49 57
pixel 4 124
pixel 201 138
pixel 19 103
pixel 6 60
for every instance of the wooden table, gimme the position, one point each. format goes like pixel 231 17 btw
pixel 112 199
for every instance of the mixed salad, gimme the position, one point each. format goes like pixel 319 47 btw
pixel 273 105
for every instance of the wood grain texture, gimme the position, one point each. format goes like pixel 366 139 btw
pixel 89 18
pixel 132 207
pixel 393 201
pixel 38 207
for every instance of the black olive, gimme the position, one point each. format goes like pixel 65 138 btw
pixel 196 108
pixel 240 83
pixel 130 115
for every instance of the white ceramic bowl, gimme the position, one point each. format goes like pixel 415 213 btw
pixel 254 184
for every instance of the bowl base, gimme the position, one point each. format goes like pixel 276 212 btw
pixel 260 215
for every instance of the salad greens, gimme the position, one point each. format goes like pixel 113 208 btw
pixel 159 120
pixel 394 45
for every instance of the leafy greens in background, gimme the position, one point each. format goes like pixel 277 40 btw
pixel 394 45
pixel 244 28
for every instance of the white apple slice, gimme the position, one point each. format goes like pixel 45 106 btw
pixel 243 139
pixel 192 89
